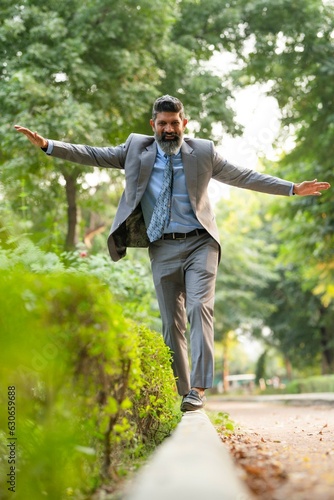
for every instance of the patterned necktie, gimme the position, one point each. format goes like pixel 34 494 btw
pixel 162 208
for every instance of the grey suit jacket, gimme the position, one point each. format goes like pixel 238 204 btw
pixel 137 156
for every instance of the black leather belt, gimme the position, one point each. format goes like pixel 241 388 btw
pixel 182 236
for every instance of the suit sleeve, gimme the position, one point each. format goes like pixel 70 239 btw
pixel 245 178
pixel 108 157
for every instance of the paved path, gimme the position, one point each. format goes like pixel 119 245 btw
pixel 284 451
pixel 326 398
pixel 298 437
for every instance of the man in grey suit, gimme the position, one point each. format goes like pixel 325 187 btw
pixel 165 206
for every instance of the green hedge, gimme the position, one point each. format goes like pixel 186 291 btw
pixel 130 280
pixel 91 388
pixel 321 383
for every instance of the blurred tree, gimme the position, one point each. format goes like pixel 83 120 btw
pixel 289 48
pixel 88 72
pixel 260 372
pixel 301 327
pixel 292 51
pixel 73 71
pixel 258 295
pixel 246 266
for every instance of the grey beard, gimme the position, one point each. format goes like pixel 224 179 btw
pixel 171 146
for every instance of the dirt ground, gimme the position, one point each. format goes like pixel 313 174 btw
pixel 283 452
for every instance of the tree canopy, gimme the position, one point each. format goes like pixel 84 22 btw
pixel 88 72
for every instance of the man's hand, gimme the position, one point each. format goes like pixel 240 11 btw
pixel 34 138
pixel 307 188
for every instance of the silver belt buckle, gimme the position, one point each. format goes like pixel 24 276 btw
pixel 178 237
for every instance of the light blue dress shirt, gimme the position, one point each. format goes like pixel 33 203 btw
pixel 183 219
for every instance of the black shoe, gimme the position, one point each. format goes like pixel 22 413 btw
pixel 192 401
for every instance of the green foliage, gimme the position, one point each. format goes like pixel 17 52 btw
pixel 23 253
pixel 246 264
pixel 153 409
pixel 88 72
pixel 324 383
pixel 130 280
pixel 262 283
pixel 82 383
pixel 298 332
pixel 76 83
pixel 290 49
pixel 222 422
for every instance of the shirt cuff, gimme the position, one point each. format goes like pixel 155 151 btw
pixel 50 149
pixel 291 193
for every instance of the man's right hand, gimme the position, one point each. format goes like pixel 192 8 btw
pixel 34 138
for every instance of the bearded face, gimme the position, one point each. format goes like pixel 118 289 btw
pixel 170 143
pixel 168 128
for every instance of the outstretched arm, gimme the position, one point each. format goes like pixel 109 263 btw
pixel 34 137
pixel 307 188
pixel 109 157
pixel 245 178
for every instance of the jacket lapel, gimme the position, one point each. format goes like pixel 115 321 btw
pixel 147 160
pixel 189 161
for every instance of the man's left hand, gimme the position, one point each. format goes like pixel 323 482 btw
pixel 312 188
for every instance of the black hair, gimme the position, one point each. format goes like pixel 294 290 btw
pixel 167 103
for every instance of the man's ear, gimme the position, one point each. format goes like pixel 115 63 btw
pixel 185 121
pixel 152 124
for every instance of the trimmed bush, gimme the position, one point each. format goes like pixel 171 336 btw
pixel 91 387
pixel 129 280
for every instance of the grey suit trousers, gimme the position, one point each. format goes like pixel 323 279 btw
pixel 184 273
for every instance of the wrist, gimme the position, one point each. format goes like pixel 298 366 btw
pixel 45 145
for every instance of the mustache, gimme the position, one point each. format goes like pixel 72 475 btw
pixel 164 135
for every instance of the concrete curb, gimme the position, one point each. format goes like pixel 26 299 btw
pixel 192 464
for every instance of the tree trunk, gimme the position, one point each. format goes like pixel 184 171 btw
pixel 327 351
pixel 226 368
pixel 288 368
pixel 72 213
pixel 327 342
pixel 91 233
